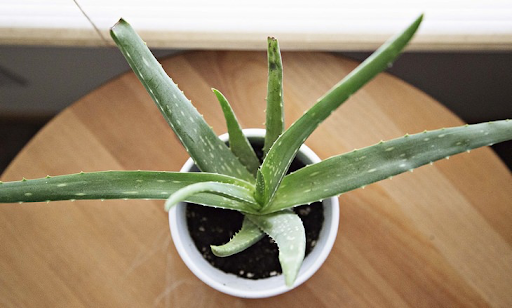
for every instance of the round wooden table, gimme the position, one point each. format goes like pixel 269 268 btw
pixel 441 236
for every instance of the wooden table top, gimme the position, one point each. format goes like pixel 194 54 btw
pixel 441 236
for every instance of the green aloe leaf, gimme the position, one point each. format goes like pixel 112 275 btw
pixel 238 143
pixel 234 192
pixel 286 229
pixel 274 123
pixel 283 151
pixel 358 168
pixel 118 185
pixel 208 151
pixel 248 235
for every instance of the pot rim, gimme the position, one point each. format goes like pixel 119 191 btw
pixel 247 288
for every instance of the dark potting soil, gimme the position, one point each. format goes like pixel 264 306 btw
pixel 213 226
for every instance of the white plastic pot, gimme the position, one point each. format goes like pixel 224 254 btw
pixel 242 287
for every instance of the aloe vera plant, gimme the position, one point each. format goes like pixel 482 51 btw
pixel 233 178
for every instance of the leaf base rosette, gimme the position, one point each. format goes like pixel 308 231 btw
pixel 248 288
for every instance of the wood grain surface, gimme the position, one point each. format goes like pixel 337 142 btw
pixel 438 237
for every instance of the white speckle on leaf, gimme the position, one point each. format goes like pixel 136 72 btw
pixel 390 149
pixel 372 170
pixel 62 185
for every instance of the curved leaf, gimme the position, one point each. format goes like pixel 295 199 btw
pixel 209 153
pixel 358 168
pixel 242 195
pixel 285 148
pixel 248 235
pixel 287 230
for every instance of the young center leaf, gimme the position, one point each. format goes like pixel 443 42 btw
pixel 238 143
pixel 274 123
pixel 209 153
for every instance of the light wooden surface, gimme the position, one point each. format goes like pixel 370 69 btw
pixel 441 236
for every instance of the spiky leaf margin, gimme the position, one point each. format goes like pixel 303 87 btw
pixel 208 152
pixel 118 185
pixel 285 148
pixel 361 167
pixel 248 235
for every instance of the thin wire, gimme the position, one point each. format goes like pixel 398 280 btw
pixel 105 41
